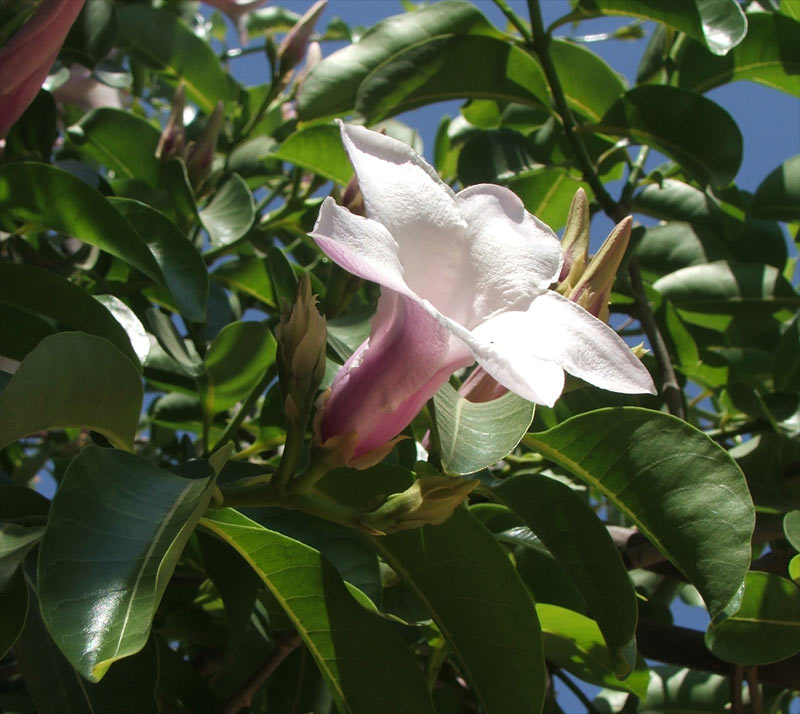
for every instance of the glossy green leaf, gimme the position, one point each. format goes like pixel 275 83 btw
pixel 475 435
pixel 330 88
pixel 492 631
pixel 671 246
pixel 161 41
pixel 580 543
pixel 726 287
pixel 50 198
pixel 45 293
pixel 249 276
pixel 173 344
pixel 644 463
pixel 709 146
pixel 365 664
pixel 767 626
pixel 72 379
pixel 13 605
pixel 678 201
pixel 181 265
pixel 794 569
pixel 123 142
pixel 125 522
pixel 721 24
pixel 547 194
pixel 495 156
pixel 282 277
pixel 574 64
pixel 139 339
pixel 230 213
pixel 319 149
pixel 791 528
pixel 778 195
pixel 237 358
pixel 451 67
pixel 769 55
pixel 574 642
pixel 93 33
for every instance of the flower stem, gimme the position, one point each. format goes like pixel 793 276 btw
pixel 514 19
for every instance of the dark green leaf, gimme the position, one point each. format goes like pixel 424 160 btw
pixel 93 33
pixel 330 88
pixel 183 269
pixel 725 287
pixel 52 296
pixel 32 136
pixel 230 213
pixel 249 276
pixel 769 54
pixel 319 149
pixel 72 379
pixel 645 463
pixel 161 41
pixel 451 67
pixel 125 522
pixel 778 195
pixel 786 361
pixel 676 200
pixel 671 246
pixel 767 626
pixel 589 84
pixel 573 642
pixel 50 198
pixel 721 24
pixel 547 194
pixel 123 142
pixel 282 277
pixel 366 665
pixel 475 435
pixel 172 343
pixel 13 605
pixel 581 544
pixel 709 145
pixel 495 157
pixel 235 361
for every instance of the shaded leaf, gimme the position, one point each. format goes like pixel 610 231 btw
pixel 451 67
pixel 125 522
pixel 72 379
pixel 365 664
pixel 709 146
pixel 778 195
pixel 230 213
pixel 644 462
pixel 249 276
pixel 671 246
pixel 676 200
pixel 767 626
pixel 475 435
pixel 495 157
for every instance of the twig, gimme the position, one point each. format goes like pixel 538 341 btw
pixel 756 703
pixel 514 20
pixel 737 706
pixel 243 697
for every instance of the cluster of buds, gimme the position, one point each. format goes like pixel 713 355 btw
pixel 293 48
pixel 199 154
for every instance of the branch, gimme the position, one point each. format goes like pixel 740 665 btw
pixel 243 697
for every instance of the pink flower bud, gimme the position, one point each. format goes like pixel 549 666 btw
pixel 294 45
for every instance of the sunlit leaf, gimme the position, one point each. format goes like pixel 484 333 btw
pixel 319 149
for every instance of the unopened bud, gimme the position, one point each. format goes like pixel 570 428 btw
pixel 172 141
pixel 575 242
pixel 200 155
pixel 594 287
pixel 431 500
pixel 301 335
pixel 352 198
pixel 294 45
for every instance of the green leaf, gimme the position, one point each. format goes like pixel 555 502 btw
pixel 45 293
pixel 125 522
pixel 547 194
pixel 495 156
pixel 123 142
pixel 769 54
pixel 93 33
pixel 646 464
pixel 466 582
pixel 791 528
pixel 475 435
pixel 786 359
pixel 52 199
pixel 230 213
pixel 161 41
pixel 582 546
pixel 139 339
pixel 573 642
pixel 694 131
pixel 778 195
pixel 237 358
pixel 767 626
pixel 721 24
pixel 574 64
pixel 172 343
pixel 183 268
pixel 14 606
pixel 319 149
pixel 671 246
pixel 451 67
pixel 249 276
pixel 676 200
pixel 366 665
pixel 729 288
pixel 330 88
pixel 72 379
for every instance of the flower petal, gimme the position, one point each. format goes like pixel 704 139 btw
pixel 519 256
pixel 383 385
pixel 359 245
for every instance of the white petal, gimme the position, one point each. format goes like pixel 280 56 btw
pixel 402 192
pixel 359 245
pixel 518 255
